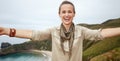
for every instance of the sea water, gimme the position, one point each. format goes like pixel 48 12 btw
pixel 24 56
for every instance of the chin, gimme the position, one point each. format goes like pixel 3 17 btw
pixel 67 23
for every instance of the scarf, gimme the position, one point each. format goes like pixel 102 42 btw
pixel 67 36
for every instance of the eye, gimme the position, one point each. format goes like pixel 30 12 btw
pixel 63 12
pixel 69 11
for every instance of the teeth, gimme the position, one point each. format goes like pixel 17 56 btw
pixel 66 19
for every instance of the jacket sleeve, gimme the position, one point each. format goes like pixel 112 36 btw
pixel 41 35
pixel 90 34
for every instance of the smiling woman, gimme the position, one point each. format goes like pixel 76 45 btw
pixel 67 13
pixel 67 39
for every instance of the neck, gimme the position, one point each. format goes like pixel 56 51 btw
pixel 67 27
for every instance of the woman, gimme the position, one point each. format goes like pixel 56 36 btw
pixel 67 39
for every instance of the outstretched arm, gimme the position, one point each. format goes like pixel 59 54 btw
pixel 19 33
pixel 110 32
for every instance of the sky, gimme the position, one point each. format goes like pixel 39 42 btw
pixel 42 14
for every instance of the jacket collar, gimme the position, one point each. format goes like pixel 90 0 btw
pixel 77 32
pixel 58 28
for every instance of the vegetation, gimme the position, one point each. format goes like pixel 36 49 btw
pixel 96 50
pixel 39 45
pixel 106 50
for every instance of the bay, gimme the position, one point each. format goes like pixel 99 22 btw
pixel 24 56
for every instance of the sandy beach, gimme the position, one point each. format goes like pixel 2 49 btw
pixel 48 53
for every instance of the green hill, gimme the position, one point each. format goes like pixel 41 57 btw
pixel 39 45
pixel 107 24
pixel 93 49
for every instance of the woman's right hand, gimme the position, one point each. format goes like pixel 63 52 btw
pixel 4 31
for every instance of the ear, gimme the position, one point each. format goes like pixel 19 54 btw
pixel 59 14
pixel 73 15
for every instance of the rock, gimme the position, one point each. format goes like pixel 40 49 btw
pixel 5 45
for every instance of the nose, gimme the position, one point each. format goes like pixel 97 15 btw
pixel 66 14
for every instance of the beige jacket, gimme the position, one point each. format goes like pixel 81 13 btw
pixel 81 33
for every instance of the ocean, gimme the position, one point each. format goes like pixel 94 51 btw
pixel 24 56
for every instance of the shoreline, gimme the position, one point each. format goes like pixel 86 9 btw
pixel 45 53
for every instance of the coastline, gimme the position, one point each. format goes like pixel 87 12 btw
pixel 47 53
pixel 28 54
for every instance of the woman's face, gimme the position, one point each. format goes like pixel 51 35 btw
pixel 66 14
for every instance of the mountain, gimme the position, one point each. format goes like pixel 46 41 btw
pixel 109 23
pixel 5 44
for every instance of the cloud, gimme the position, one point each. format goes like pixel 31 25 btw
pixel 37 14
